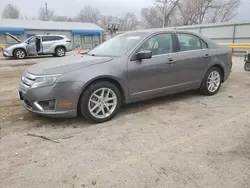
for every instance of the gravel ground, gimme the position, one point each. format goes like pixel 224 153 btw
pixel 184 140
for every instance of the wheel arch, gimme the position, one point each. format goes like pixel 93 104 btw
pixel 62 46
pixel 99 79
pixel 25 51
pixel 221 69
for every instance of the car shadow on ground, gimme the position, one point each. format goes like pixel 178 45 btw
pixel 29 57
pixel 81 122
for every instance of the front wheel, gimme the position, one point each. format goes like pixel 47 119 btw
pixel 212 81
pixel 100 102
pixel 19 54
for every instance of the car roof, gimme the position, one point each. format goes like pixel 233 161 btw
pixel 51 35
pixel 158 30
pixel 149 32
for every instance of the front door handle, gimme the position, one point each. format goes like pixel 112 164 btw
pixel 170 61
pixel 207 56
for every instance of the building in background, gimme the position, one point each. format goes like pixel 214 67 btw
pixel 82 35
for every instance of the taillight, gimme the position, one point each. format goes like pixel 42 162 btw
pixel 68 41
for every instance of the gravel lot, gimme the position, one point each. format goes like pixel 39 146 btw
pixel 184 140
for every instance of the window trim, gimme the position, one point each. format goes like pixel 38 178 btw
pixel 200 39
pixel 174 47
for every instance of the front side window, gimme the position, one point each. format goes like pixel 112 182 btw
pixel 119 45
pixel 159 44
pixel 188 42
pixel 203 45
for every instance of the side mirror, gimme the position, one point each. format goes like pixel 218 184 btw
pixel 146 54
pixel 247 67
pixel 247 62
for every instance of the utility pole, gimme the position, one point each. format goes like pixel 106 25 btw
pixel 164 12
pixel 46 10
pixel 164 2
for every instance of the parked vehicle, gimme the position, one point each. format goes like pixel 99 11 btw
pixel 56 45
pixel 130 67
pixel 247 62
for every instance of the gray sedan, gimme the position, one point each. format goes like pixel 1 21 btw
pixel 130 67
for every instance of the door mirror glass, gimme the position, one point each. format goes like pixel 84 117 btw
pixel 247 66
pixel 146 54
pixel 247 62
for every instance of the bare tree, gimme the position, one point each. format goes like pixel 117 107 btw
pixel 105 20
pixel 207 11
pixel 151 18
pixel 11 12
pixel 160 14
pixel 223 11
pixel 89 14
pixel 45 16
pixel 128 21
pixel 60 18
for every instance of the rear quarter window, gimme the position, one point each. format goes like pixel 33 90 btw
pixel 51 38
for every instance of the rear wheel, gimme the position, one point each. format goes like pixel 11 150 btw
pixel 100 102
pixel 19 54
pixel 212 81
pixel 60 51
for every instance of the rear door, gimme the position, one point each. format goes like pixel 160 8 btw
pixel 49 42
pixel 192 59
pixel 31 46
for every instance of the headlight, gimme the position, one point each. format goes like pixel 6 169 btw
pixel 45 81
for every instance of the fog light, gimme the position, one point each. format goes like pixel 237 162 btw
pixel 47 105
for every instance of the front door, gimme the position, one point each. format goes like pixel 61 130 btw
pixel 192 59
pixel 157 75
pixel 31 46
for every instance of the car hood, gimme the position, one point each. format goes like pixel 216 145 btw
pixel 66 64
pixel 13 37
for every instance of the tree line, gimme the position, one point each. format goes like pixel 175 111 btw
pixel 161 13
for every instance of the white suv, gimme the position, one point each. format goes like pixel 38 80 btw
pixel 56 45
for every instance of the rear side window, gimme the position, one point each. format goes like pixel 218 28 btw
pixel 51 38
pixel 189 42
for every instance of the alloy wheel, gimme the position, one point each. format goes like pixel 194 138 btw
pixel 20 54
pixel 102 103
pixel 213 81
pixel 60 52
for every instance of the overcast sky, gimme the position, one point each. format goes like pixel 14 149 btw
pixel 30 8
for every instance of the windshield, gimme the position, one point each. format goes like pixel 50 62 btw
pixel 118 46
pixel 26 40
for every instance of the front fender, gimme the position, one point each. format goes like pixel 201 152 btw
pixel 109 70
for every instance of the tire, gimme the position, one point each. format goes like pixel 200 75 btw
pixel 214 76
pixel 60 51
pixel 19 53
pixel 100 104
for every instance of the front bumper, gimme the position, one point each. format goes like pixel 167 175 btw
pixel 6 54
pixel 67 92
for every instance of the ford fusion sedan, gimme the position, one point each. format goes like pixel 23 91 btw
pixel 130 67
